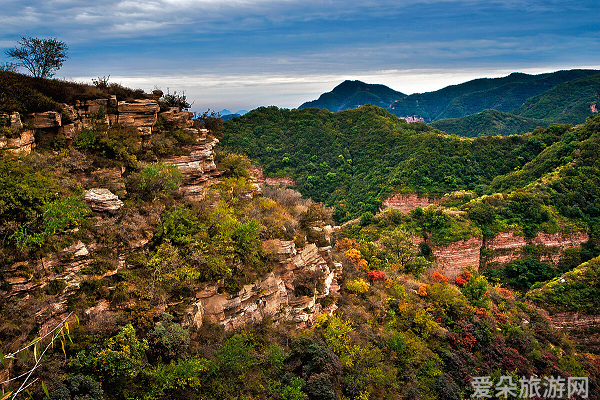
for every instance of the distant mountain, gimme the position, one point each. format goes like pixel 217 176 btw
pixel 227 115
pixel 502 94
pixel 488 123
pixel 353 94
pixel 570 102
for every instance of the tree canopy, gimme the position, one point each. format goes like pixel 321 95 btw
pixel 41 57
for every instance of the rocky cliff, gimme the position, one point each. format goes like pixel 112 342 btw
pixel 502 249
pixel 275 294
pixel 143 114
pixel 408 202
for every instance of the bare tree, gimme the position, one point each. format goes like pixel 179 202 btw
pixel 41 57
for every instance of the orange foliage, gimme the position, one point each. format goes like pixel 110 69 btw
pixel 422 291
pixel 346 244
pixel 440 278
pixel 463 278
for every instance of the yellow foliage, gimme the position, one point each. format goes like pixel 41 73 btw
pixel 358 286
pixel 353 255
pixel 337 337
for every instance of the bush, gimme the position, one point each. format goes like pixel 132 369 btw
pixel 168 340
pixel 376 276
pixel 77 387
pixel 153 181
pixel 358 286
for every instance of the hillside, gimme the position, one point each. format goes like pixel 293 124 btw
pixel 568 102
pixel 488 123
pixel 353 159
pixel 353 94
pixel 502 94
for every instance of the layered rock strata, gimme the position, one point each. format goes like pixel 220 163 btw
pixel 102 200
pixel 273 294
pixel 505 247
pixel 198 169
pixel 408 202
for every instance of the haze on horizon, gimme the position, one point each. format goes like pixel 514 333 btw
pixel 244 54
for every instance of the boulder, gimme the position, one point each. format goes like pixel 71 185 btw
pixel 102 200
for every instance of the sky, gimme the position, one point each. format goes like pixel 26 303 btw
pixel 244 54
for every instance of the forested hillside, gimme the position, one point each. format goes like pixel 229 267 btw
pixel 488 123
pixel 352 160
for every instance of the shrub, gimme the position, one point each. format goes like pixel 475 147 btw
pixel 440 278
pixel 168 340
pixel 463 278
pixel 153 181
pixel 76 387
pixel 358 286
pixel 376 276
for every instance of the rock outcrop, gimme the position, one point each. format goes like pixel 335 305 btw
pixel 102 200
pixel 141 114
pixel 455 257
pixel 505 247
pixel 22 144
pixel 582 328
pixel 408 202
pixel 508 246
pixel 198 169
pixel 274 294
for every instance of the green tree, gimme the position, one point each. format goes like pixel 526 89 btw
pixel 41 57
pixel 168 340
pixel 399 246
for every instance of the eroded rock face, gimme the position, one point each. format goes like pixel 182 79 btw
pixel 22 144
pixel 198 170
pixel 102 200
pixel 408 202
pixel 141 114
pixel 452 259
pixel 504 248
pixel 177 117
pixel 582 328
pixel 272 295
pixel 48 119
pixel 508 246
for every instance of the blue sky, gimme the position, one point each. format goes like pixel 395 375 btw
pixel 243 54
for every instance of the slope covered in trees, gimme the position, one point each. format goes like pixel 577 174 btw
pixel 352 94
pixel 488 123
pixel 402 329
pixel 566 103
pixel 352 160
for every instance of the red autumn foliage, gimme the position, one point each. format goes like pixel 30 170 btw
pixel 376 275
pixel 463 278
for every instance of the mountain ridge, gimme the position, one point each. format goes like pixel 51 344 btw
pixel 503 94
